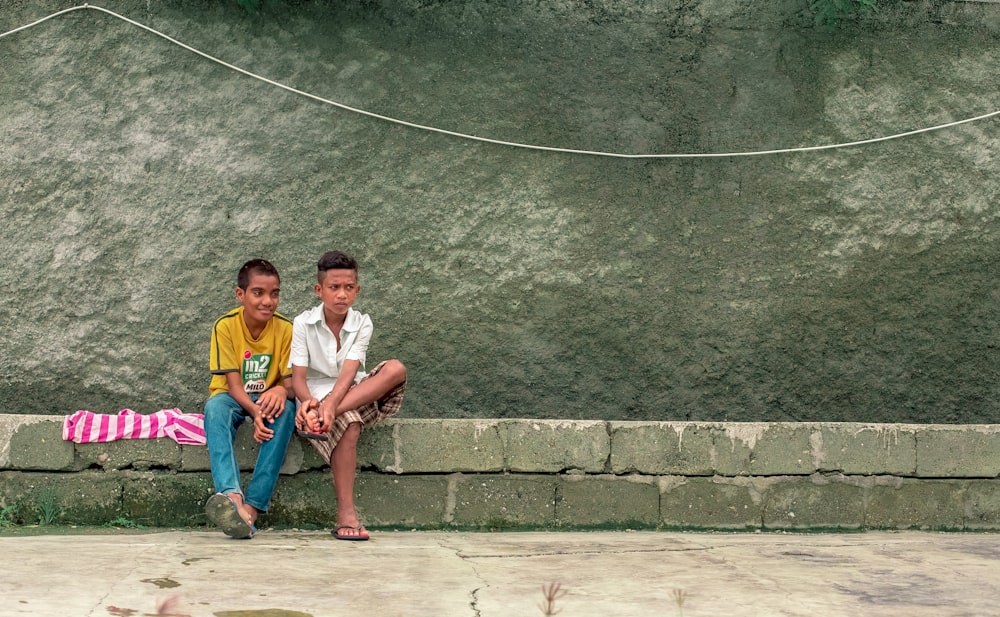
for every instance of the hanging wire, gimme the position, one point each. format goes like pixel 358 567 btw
pixel 500 142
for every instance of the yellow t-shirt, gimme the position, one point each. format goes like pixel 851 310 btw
pixel 261 362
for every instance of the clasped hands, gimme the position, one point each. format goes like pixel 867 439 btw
pixel 270 405
pixel 315 416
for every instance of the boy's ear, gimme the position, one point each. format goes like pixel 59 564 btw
pixel 239 295
pixel 316 288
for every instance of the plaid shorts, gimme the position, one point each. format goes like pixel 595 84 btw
pixel 366 415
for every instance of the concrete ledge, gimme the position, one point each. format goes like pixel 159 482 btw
pixel 553 446
pixel 717 502
pixel 963 451
pixel 31 442
pixel 501 474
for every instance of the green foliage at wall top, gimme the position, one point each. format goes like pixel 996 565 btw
pixel 830 13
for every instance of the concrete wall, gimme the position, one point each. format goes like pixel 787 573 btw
pixel 552 474
pixel 844 285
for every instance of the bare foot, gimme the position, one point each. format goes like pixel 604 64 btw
pixel 343 532
pixel 251 513
pixel 348 518
pixel 248 512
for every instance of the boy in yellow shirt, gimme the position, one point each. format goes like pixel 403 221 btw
pixel 250 379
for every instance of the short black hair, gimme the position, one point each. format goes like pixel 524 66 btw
pixel 255 266
pixel 335 260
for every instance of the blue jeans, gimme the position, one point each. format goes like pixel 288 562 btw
pixel 223 415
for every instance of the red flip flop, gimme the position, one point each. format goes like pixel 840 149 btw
pixel 355 534
pixel 315 436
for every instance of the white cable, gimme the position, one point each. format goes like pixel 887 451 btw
pixel 35 23
pixel 487 139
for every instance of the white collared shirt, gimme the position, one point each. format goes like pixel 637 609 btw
pixel 315 347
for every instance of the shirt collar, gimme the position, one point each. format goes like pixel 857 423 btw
pixel 351 324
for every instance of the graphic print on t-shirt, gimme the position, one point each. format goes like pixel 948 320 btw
pixel 255 368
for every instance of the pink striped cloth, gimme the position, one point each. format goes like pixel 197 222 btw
pixel 89 427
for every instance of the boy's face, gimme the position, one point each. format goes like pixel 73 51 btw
pixel 259 299
pixel 338 289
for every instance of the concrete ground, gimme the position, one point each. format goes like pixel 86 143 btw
pixel 293 573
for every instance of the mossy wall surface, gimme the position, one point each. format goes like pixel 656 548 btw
pixel 853 284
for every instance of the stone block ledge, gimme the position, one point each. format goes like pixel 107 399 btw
pixel 529 473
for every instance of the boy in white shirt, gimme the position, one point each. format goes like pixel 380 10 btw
pixel 337 399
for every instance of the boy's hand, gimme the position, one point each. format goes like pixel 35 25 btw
pixel 327 414
pixel 260 431
pixel 272 402
pixel 305 416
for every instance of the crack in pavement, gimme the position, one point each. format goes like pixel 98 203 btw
pixel 584 552
pixel 101 605
pixel 475 602
pixel 474 594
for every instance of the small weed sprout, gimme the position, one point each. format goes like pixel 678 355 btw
pixel 8 516
pixel 679 597
pixel 123 523
pixel 552 592
pixel 49 509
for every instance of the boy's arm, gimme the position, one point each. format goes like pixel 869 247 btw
pixel 260 431
pixel 236 391
pixel 272 401
pixel 300 387
pixel 328 407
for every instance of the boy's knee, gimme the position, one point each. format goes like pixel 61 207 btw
pixel 351 433
pixel 286 418
pixel 397 369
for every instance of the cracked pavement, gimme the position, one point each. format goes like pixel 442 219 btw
pixel 301 573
